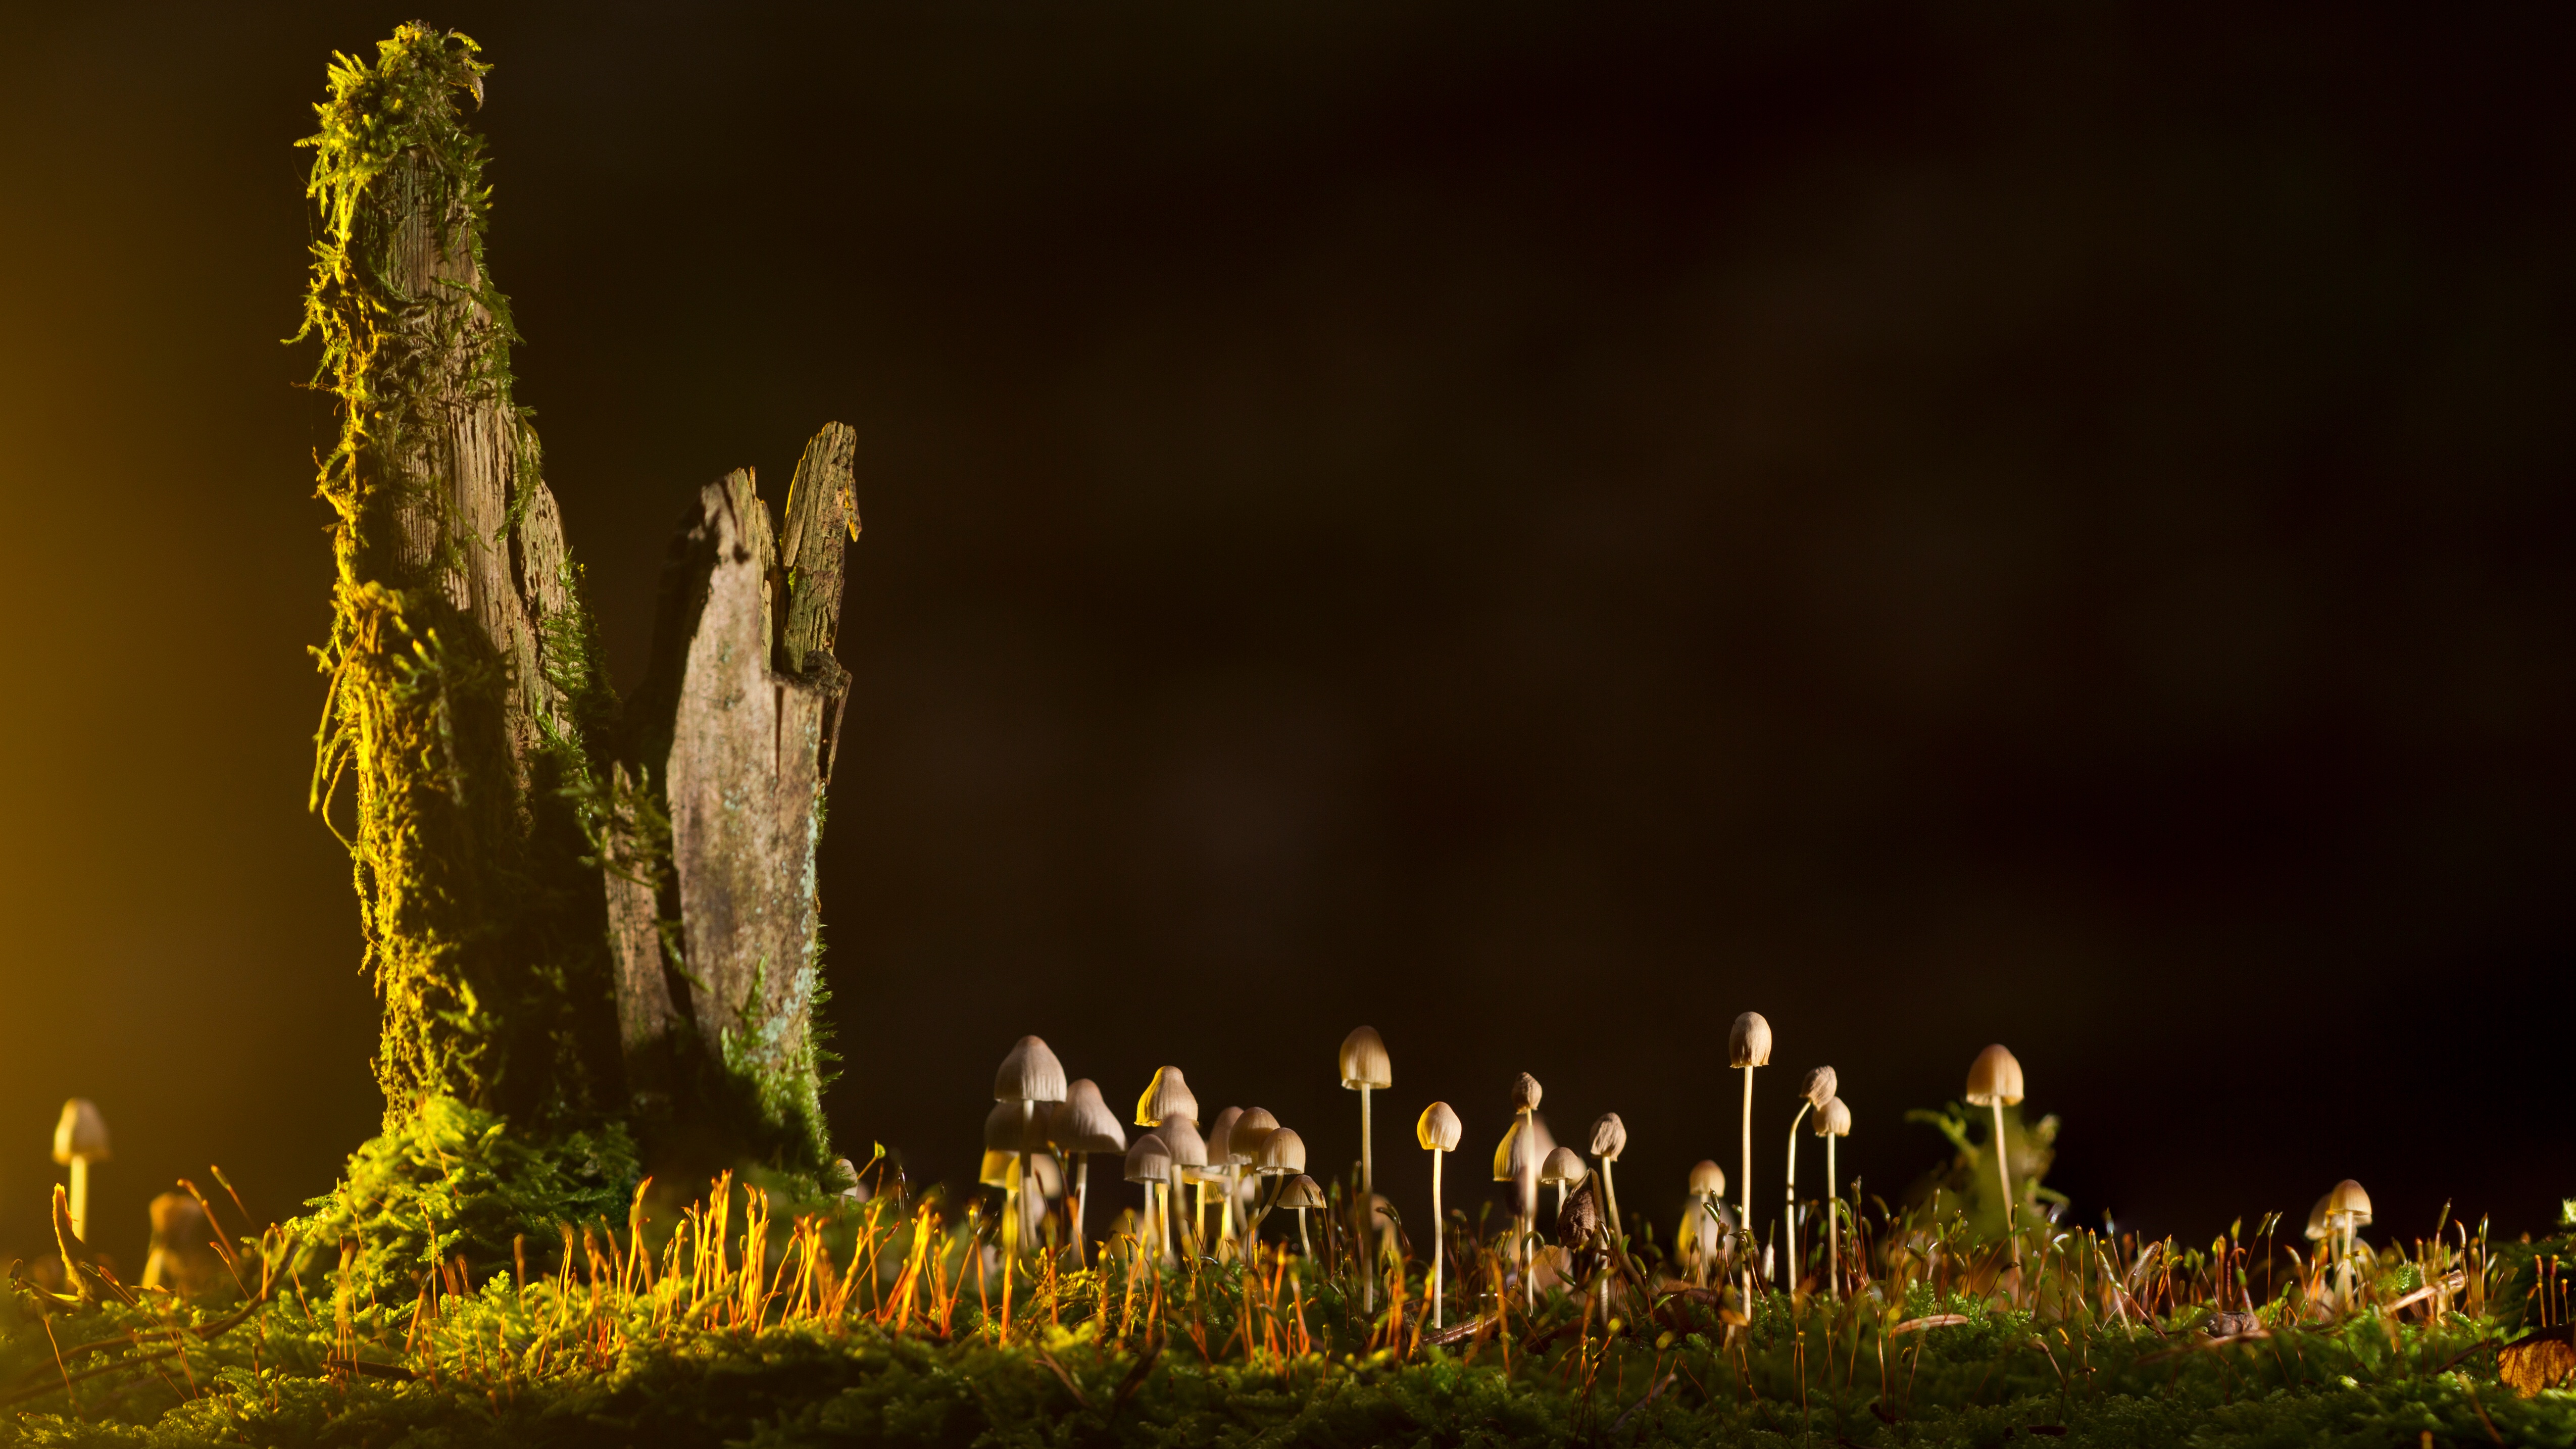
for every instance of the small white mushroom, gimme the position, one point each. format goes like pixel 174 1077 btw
pixel 80 1138
pixel 1994 1080
pixel 1438 1132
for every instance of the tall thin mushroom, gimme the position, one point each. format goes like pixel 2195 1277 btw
pixel 1833 1123
pixel 1748 1045
pixel 1609 1139
pixel 1030 1076
pixel 1516 1161
pixel 1083 1125
pixel 1365 1069
pixel 80 1138
pixel 1994 1081
pixel 1301 1193
pixel 1282 1155
pixel 2347 1208
pixel 1438 1132
pixel 1189 1156
pixel 1222 1162
pixel 1815 1089
pixel 1150 1164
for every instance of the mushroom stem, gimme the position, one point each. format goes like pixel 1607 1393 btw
pixel 1303 1244
pixel 1833 1225
pixel 1020 1201
pixel 1437 1228
pixel 2003 1175
pixel 1366 1203
pixel 1790 1188
pixel 80 1198
pixel 1081 1200
pixel 1610 1185
pixel 1225 1210
pixel 1744 1189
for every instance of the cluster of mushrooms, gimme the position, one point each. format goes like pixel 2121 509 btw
pixel 1252 1166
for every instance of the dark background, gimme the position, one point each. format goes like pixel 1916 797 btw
pixel 1539 528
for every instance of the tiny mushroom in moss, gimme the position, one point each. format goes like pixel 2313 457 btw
pixel 1438 1132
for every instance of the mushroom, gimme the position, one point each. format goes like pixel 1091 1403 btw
pixel 1994 1080
pixel 1082 1125
pixel 1301 1194
pixel 1562 1169
pixel 1222 1163
pixel 2347 1208
pixel 1282 1154
pixel 1707 1185
pixel 1815 1089
pixel 1516 1161
pixel 1365 1069
pixel 1008 1141
pixel 1029 1075
pixel 182 1257
pixel 1166 1096
pixel 1609 1139
pixel 1748 1045
pixel 80 1139
pixel 1833 1123
pixel 1150 1163
pixel 1189 1155
pixel 1438 1132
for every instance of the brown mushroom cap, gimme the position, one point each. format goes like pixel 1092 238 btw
pixel 1082 1122
pixel 1029 1074
pixel 1249 1131
pixel 1166 1096
pixel 2348 1201
pixel 1833 1119
pixel 1220 1137
pixel 81 1133
pixel 1748 1042
pixel 1817 1086
pixel 2318 1227
pixel 1994 1077
pixel 1708 1180
pixel 1525 1093
pixel 1283 1153
pixel 1181 1139
pixel 1563 1165
pixel 1364 1060
pixel 1148 1160
pixel 1609 1137
pixel 1301 1192
pixel 1438 1130
pixel 1003 1133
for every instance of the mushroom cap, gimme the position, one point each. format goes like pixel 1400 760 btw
pixel 1708 1179
pixel 1515 1157
pixel 1748 1042
pixel 1525 1093
pixel 1082 1122
pixel 1301 1192
pixel 177 1220
pixel 1609 1137
pixel 1029 1074
pixel 1833 1119
pixel 1364 1060
pixel 2348 1201
pixel 1250 1130
pixel 1817 1086
pixel 81 1133
pixel 1148 1160
pixel 1166 1096
pixel 1042 1166
pixel 998 1167
pixel 1220 1137
pixel 1438 1130
pixel 1002 1131
pixel 1994 1077
pixel 1283 1153
pixel 2317 1225
pixel 1181 1139
pixel 1563 1165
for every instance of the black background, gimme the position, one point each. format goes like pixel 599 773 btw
pixel 1538 528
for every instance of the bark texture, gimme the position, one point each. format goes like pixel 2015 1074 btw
pixel 732 745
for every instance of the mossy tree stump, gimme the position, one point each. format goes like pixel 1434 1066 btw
pixel 575 914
